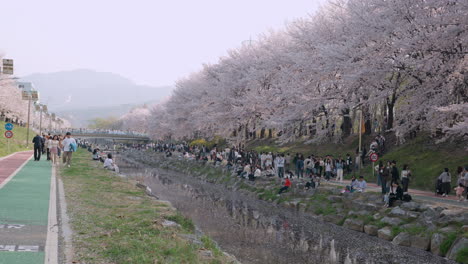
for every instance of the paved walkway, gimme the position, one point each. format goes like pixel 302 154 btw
pixel 24 208
pixel 415 194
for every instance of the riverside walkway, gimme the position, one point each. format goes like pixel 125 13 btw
pixel 26 211
pixel 422 196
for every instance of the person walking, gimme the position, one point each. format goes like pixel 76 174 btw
pixel 69 146
pixel 37 140
pixel 53 148
pixel 445 177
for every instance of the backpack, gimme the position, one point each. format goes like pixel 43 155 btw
pixel 406 198
pixel 73 146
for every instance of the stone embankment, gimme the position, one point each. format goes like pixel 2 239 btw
pixel 249 220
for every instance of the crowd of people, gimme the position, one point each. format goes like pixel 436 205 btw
pixel 249 164
pixel 55 147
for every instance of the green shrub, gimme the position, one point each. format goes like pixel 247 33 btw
pixel 185 222
pixel 210 244
pixel 396 230
pixel 447 243
pixel 462 256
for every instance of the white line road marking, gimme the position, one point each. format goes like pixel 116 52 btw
pixel 51 247
pixel 19 248
pixel 27 248
pixel 11 226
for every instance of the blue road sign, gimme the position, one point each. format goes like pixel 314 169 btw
pixel 9 126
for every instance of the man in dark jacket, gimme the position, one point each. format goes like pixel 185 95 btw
pixel 37 140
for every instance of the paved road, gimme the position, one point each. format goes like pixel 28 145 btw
pixel 24 209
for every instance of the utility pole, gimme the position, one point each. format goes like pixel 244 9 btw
pixel 27 130
pixel 40 121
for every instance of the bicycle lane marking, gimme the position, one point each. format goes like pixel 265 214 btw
pixel 24 203
pixel 10 165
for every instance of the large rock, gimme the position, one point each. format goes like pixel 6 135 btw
pixel 458 245
pixel 354 224
pixel 451 212
pixel 398 212
pixel 402 239
pixel 371 230
pixel 413 215
pixel 391 221
pixel 421 241
pixel 411 206
pixel 448 229
pixel 436 241
pixel 385 233
pixel 430 213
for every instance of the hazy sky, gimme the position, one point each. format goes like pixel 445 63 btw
pixel 149 41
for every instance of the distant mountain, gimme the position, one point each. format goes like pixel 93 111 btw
pixel 87 94
pixel 80 117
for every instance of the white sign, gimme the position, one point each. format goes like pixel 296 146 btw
pixel 35 96
pixel 7 66
pixel 26 95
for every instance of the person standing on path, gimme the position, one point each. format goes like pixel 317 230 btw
pixel 37 140
pixel 339 169
pixel 405 177
pixel 69 146
pixel 465 179
pixel 445 177
pixel 280 165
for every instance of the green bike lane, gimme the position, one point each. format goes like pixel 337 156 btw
pixel 24 209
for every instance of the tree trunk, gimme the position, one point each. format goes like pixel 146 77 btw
pixel 262 133
pixel 347 124
pixel 270 133
pixel 390 107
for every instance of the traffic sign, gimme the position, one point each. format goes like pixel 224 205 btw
pixel 374 157
pixel 9 126
pixel 9 134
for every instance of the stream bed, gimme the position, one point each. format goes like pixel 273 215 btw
pixel 257 231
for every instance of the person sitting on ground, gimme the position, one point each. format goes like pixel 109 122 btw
pixel 392 197
pixel 269 172
pixel 258 172
pixel 289 174
pixel 361 184
pixel 246 171
pixel 96 154
pixel 352 186
pixel 311 183
pixel 287 184
pixel 109 163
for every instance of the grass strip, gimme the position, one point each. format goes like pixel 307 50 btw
pixel 115 222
